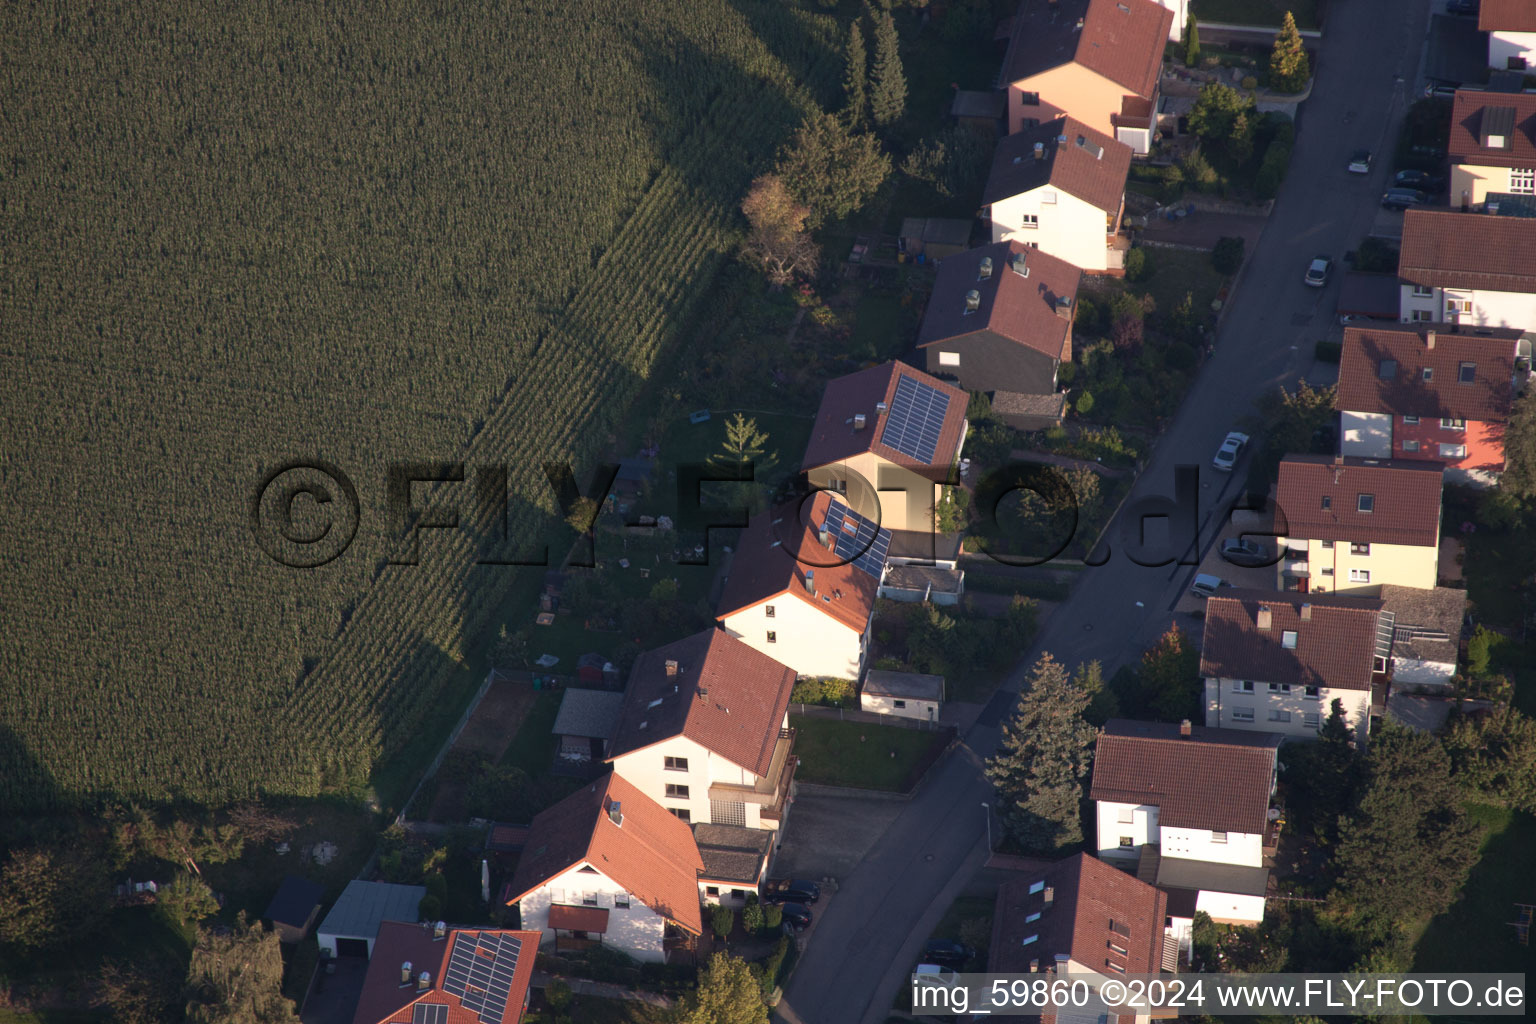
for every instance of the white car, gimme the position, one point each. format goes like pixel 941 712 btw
pixel 1318 271
pixel 1229 452
pixel 1206 585
pixel 1360 162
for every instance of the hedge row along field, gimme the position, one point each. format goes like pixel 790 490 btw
pixel 360 232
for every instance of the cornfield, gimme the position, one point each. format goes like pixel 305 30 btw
pixel 233 235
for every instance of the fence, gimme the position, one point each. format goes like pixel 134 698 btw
pixel 453 737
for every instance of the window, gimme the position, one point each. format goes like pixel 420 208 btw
pixel 1359 575
pixel 621 901
pixel 711 890
pixel 1279 716
pixel 1126 816
pixel 1036 887
pixel 1453 451
pixel 899 703
pixel 1218 837
pixel 1359 549
pixel 739 894
pixel 1366 503
pixel 1279 687
pixel 768 610
pixel 1514 62
pixel 1242 714
pixel 1028 918
pixel 589 899
pixel 1410 421
pixel 949 358
pixel 680 813
pixel 1454 306
pixel 1312 720
pixel 1327 545
pixel 587 869
pixel 1466 373
pixel 1387 369
pixel 1115 947
pixel 1242 686
pixel 677 791
pixel 1029 99
pixel 1327 502
pixel 1429 374
pixel 1028 939
pixel 1126 842
pixel 773 637
pixel 1048 197
pixel 1421 316
pixel 1410 446
pixel 1522 181
pixel 1288 639
pixel 1422 291
pixel 1453 424
pixel 1114 966
pixel 1314 691
pixel 1328 571
pixel 675 764
pixel 1029 220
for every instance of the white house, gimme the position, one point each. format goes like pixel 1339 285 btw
pixel 1492 146
pixel 1511 28
pixel 1190 807
pixel 1351 525
pixel 704 732
pixel 1474 270
pixel 1426 634
pixel 609 865
pixel 1276 661
pixel 803 591
pixel 903 694
pixel 1060 187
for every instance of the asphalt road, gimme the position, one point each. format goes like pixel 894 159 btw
pixel 868 941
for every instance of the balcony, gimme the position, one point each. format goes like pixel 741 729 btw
pixel 771 791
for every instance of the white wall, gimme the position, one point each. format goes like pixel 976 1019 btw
pixel 809 640
pixel 1367 434
pixel 1180 9
pixel 1403 565
pixel 1489 309
pixel 1069 228
pixel 1224 702
pixel 1231 908
pixel 1415 672
pixel 1142 828
pixel 1241 848
pixel 1504 45
pixel 637 931
pixel 923 710
pixel 646 770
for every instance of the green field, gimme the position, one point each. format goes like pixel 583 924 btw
pixel 857 754
pixel 343 231
pixel 1474 935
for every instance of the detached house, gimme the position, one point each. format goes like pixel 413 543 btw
pixel 1474 270
pixel 803 592
pixel 886 439
pixel 1353 524
pixel 1098 61
pixel 1492 147
pixel 1511 28
pixel 1428 394
pixel 433 974
pixel 704 732
pixel 1277 661
pixel 1060 187
pixel 1081 919
pixel 1190 807
pixel 1000 321
pixel 608 865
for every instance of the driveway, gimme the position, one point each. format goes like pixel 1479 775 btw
pixel 827 836
pixel 868 941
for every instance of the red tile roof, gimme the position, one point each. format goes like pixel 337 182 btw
pixel 651 853
pixel 1021 309
pixel 1093 169
pixel 1092 906
pixel 1335 645
pixel 385 1001
pixel 1370 383
pixel 1405 508
pixel 835 438
pixel 1506 16
pixel 1450 249
pixel 725 696
pixel 1217 779
pixel 1512 115
pixel 1122 40
pixel 771 560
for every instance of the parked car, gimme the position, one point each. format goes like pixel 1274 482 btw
pixel 1466 8
pixel 1318 271
pixel 796 915
pixel 1360 162
pixel 1419 180
pixel 1230 451
pixel 1242 551
pixel 1439 90
pixel 947 952
pixel 790 890
pixel 1402 198
pixel 1206 585
pixel 933 973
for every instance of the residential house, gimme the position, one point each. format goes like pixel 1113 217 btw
pixel 1511 28
pixel 1190 807
pixel 609 865
pixel 1275 662
pixel 1431 394
pixel 803 593
pixel 736 862
pixel 1060 187
pixel 1492 146
pixel 586 724
pixel 352 925
pixel 1098 61
pixel 1426 634
pixel 704 731
pixel 1081 919
pixel 887 438
pixel 1000 319
pixel 433 974
pixel 903 694
pixel 1471 269
pixel 1349 524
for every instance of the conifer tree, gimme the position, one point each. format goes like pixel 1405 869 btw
pixel 1289 68
pixel 887 81
pixel 856 78
pixel 1192 42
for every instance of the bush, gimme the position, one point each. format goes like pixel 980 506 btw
pixel 1198 171
pixel 557 994
pixel 1479 651
pixel 773 916
pixel 437 886
pixel 1180 356
pixel 1376 256
pixel 430 908
pixel 1277 160
pixel 1084 403
pixel 752 918
pixel 1249 82
pixel 772 965
pixel 835 693
pixel 1065 373
pixel 1327 351
pixel 722 920
pixel 1228 255
pixel 1136 264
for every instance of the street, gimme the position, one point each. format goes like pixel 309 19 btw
pixel 870 939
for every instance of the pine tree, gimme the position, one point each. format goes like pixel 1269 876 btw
pixel 1289 68
pixel 1043 761
pixel 1519 477
pixel 887 81
pixel 856 78
pixel 1192 42
pixel 1170 677
pixel 831 169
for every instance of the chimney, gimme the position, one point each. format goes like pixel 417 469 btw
pixel 423 981
pixel 826 539
pixel 880 408
pixel 972 301
pixel 1429 340
pixel 1039 151
pixel 1266 618
pixel 986 269
pixel 858 421
pixel 810 581
pixel 1034 966
pixel 671 667
pixel 1185 730
pixel 616 813
pixel 1064 306
pixel 405 973
pixel 1079 24
pixel 1306 613
pixel 440 930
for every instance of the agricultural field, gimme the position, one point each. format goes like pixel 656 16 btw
pixel 234 238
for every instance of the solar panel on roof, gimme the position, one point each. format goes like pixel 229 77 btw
pixel 857 540
pixel 480 973
pixel 915 419
pixel 429 1013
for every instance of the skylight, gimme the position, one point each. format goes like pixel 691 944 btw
pixel 1367 503
pixel 1387 369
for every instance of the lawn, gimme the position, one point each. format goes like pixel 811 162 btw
pixel 1173 273
pixel 594 1010
pixel 857 754
pixel 877 327
pixel 533 748
pixel 968 920
pixel 1256 12
pixel 1473 935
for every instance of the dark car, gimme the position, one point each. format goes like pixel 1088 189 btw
pixel 796 915
pixel 1402 198
pixel 790 890
pixel 947 953
pixel 1242 551
pixel 1418 180
pixel 1462 7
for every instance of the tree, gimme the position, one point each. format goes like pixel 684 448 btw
pixel 832 169
pixel 1084 403
pixel 1324 777
pixel 1191 41
pixel 583 514
pixel 752 918
pixel 1197 170
pixel 722 920
pixel 187 900
pixel 1223 117
pixel 1409 826
pixel 1289 68
pixel 50 897
pixel 142 990
pixel 1519 477
pixel 856 78
pixel 236 977
pixel 727 994
pixel 1102 702
pixel 951 163
pixel 1493 757
pixel 743 443
pixel 777 240
pixel 1170 677
pixel 1042 762
pixel 887 80
pixel 1293 421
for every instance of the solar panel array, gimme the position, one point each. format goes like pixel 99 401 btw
pixel 429 1013
pixel 480 973
pixel 856 539
pixel 915 418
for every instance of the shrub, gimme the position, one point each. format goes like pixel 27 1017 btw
pixel 437 886
pixel 752 918
pixel 430 908
pixel 1136 264
pixel 1084 403
pixel 1065 373
pixel 829 692
pixel 1228 255
pixel 1277 159
pixel 773 963
pixel 1376 256
pixel 1198 171
pixel 1327 351
pixel 773 916
pixel 558 995
pixel 1479 649
pixel 1249 82
pixel 722 920
pixel 1180 356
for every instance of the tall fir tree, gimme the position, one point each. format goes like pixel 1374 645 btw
pixel 856 78
pixel 1043 761
pixel 1519 478
pixel 1170 677
pixel 887 80
pixel 1289 68
pixel 1191 42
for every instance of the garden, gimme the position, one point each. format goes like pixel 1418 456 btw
pixel 862 755
pixel 970 650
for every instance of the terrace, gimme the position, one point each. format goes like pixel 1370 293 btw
pixel 771 790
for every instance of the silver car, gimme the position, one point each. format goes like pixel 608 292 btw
pixel 1230 451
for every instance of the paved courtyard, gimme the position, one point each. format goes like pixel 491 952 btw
pixel 828 835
